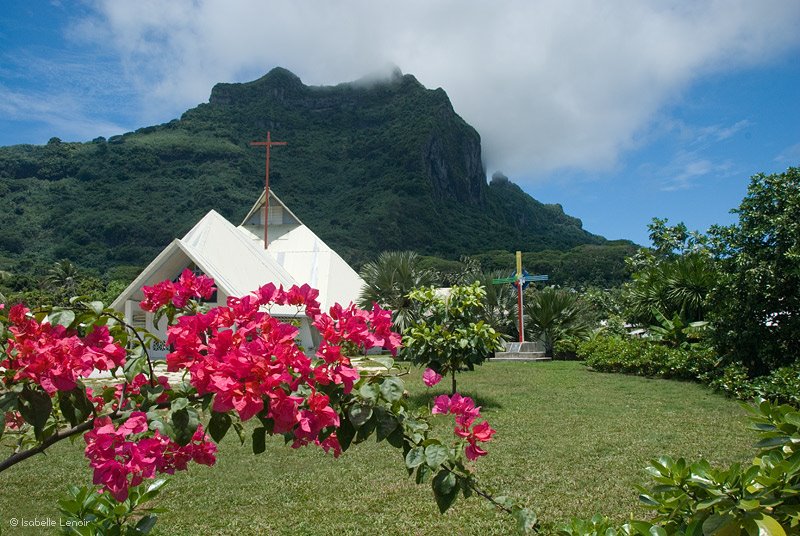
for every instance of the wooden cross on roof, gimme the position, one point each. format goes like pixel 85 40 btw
pixel 520 280
pixel 269 143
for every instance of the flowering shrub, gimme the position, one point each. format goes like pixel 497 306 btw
pixel 240 363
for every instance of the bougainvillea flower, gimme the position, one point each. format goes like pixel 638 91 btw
pixel 430 377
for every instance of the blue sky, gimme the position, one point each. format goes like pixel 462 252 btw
pixel 619 111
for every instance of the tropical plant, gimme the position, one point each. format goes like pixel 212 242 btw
pixel 63 278
pixel 674 285
pixel 500 305
pixel 676 332
pixel 388 281
pixel 552 314
pixel 449 335
pixel 756 306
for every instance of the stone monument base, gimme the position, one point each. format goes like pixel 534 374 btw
pixel 522 351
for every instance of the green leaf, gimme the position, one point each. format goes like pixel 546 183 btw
pixel 345 434
pixel 75 406
pixel 185 423
pixel 526 519
pixel 392 389
pixel 259 440
pixel 386 423
pixel 384 361
pixel 157 485
pixel 369 392
pixel 63 317
pixel 146 524
pixel 436 455
pixel 793 418
pixel 8 402
pixel 35 407
pixel 366 429
pixel 773 441
pixel 768 526
pixel 359 414
pixel 648 500
pixel 153 393
pixel 415 457
pixel 218 425
pixel 179 404
pixel 721 525
pixel 96 307
pixel 445 489
pixel 423 474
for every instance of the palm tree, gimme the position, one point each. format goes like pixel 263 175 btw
pixel 63 278
pixel 500 308
pixel 4 278
pixel 675 286
pixel 553 314
pixel 388 281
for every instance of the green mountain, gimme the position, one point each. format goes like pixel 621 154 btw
pixel 370 166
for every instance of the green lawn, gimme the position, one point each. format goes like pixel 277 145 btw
pixel 570 443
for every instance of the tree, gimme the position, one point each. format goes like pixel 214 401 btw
pixel 553 314
pixel 674 277
pixel 389 279
pixel 449 334
pixel 63 278
pixel 500 305
pixel 756 306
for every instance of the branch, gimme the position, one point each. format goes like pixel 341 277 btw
pixel 55 438
pixel 478 491
pixel 67 433
pixel 141 342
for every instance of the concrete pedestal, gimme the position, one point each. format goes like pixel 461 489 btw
pixel 522 351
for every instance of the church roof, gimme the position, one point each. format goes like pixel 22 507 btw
pixel 223 253
pixel 236 259
pixel 303 254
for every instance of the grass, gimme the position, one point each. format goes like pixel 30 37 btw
pixel 570 443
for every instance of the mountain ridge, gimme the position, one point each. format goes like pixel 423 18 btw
pixel 370 166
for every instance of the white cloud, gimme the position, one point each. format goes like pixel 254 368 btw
pixel 548 84
pixel 61 115
pixel 790 155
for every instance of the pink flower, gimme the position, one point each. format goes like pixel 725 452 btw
pixel 122 457
pixel 430 377
pixel 441 405
pixel 466 413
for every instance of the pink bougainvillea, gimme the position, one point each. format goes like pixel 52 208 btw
pixel 466 415
pixel 259 367
pixel 54 357
pixel 123 456
pixel 430 377
pixel 177 293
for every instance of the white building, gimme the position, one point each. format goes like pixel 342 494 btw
pixel 237 261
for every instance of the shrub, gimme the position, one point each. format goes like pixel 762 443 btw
pixel 644 358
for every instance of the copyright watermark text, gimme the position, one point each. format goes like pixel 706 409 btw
pixel 45 522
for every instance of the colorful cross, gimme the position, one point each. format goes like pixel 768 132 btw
pixel 520 280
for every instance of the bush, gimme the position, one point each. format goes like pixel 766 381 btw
pixel 782 385
pixel 696 363
pixel 645 358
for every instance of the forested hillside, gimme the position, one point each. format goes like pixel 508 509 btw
pixel 368 166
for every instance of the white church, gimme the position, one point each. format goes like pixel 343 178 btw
pixel 236 259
